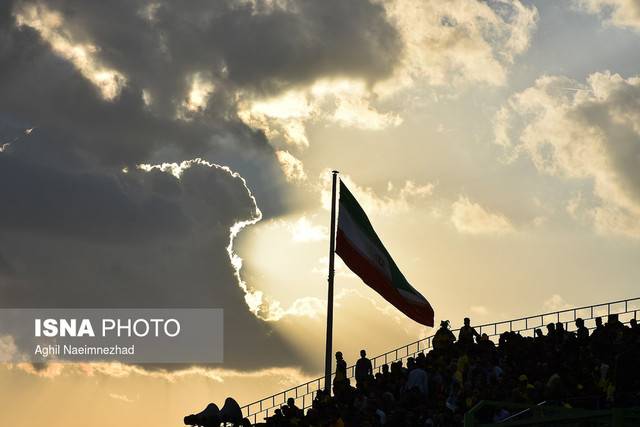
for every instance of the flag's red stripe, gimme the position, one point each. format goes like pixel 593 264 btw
pixel 372 277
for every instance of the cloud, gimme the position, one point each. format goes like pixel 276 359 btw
pixel 119 370
pixel 462 41
pixel 344 102
pixel 198 96
pixel 253 298
pixel 122 397
pixel 394 200
pixel 291 166
pixel 175 93
pixel 556 303
pixel 101 190
pixel 573 205
pixel 588 135
pixel 305 231
pixel 124 84
pixel 142 239
pixel 470 217
pixel 264 46
pixel 443 44
pixel 8 348
pixel 51 27
pixel 621 13
pixel 480 310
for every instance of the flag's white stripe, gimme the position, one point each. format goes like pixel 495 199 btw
pixel 362 243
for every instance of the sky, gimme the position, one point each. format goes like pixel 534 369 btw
pixel 178 154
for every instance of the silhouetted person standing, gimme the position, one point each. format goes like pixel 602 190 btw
pixel 443 337
pixel 551 329
pixel 292 410
pixel 364 369
pixel 600 341
pixel 561 333
pixel 581 331
pixel 340 380
pixel 467 333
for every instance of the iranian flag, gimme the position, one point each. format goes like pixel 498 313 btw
pixel 361 249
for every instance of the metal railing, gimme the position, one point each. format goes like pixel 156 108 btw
pixel 305 393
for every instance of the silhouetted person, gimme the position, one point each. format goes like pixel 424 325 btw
pixel 211 416
pixel 438 387
pixel 364 369
pixel 582 333
pixel 485 344
pixel 340 380
pixel 231 412
pixel 599 340
pixel 292 410
pixel 613 321
pixel 467 333
pixel 561 333
pixel 277 419
pixel 208 417
pixel 551 331
pixel 443 337
pixel 417 378
pixel 551 328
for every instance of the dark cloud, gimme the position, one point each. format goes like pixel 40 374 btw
pixel 248 44
pixel 235 44
pixel 5 268
pixel 614 115
pixel 40 199
pixel 136 240
pixel 77 232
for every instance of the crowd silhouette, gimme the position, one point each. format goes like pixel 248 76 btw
pixel 575 369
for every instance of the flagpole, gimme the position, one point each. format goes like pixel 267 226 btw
pixel 332 244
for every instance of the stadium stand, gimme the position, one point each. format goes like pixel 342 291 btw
pixel 580 371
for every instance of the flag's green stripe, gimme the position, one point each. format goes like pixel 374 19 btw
pixel 348 201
